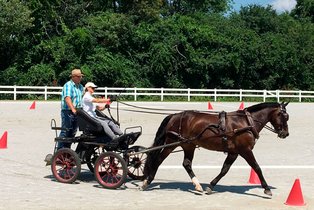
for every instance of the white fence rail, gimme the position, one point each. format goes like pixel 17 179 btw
pixel 45 91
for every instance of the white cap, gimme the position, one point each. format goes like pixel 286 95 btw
pixel 90 84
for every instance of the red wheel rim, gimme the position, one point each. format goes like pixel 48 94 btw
pixel 65 167
pixel 109 171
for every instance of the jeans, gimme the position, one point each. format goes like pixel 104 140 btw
pixel 69 121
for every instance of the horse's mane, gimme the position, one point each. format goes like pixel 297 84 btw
pixel 260 106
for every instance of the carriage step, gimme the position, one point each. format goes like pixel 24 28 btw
pixel 48 159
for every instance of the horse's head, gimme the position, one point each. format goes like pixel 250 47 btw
pixel 279 119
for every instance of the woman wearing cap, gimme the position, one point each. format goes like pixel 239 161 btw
pixel 110 128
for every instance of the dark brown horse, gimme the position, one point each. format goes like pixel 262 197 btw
pixel 234 133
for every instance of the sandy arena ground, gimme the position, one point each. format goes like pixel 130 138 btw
pixel 26 183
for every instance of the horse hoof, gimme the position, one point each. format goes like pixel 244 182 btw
pixel 209 191
pixel 199 189
pixel 144 186
pixel 268 192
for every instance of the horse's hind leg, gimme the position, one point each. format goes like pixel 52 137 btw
pixel 250 159
pixel 187 164
pixel 225 168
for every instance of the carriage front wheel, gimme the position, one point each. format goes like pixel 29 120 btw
pixel 136 162
pixel 65 165
pixel 110 170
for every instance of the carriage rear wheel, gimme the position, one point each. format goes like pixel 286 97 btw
pixel 65 165
pixel 136 163
pixel 110 170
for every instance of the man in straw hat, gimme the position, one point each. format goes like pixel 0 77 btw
pixel 71 99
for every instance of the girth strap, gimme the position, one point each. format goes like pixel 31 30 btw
pixel 222 121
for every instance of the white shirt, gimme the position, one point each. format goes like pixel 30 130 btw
pixel 88 105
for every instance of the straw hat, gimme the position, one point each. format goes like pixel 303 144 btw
pixel 76 72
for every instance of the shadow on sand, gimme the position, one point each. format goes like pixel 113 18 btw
pixel 87 176
pixel 188 187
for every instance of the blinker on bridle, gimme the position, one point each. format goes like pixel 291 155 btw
pixel 284 118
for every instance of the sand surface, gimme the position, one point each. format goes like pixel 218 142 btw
pixel 26 183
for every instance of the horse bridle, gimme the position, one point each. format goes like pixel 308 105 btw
pixel 284 118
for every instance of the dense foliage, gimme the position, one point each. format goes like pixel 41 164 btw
pixel 157 43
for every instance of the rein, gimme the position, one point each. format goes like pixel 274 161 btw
pixel 266 126
pixel 154 110
pixel 270 129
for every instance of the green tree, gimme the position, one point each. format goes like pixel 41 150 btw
pixel 113 70
pixel 38 75
pixel 304 9
pixel 259 18
pixel 15 20
pixel 204 6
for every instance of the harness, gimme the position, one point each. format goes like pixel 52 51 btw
pixel 219 129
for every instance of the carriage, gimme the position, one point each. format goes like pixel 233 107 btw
pixel 234 133
pixel 111 161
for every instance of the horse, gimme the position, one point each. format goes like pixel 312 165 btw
pixel 234 133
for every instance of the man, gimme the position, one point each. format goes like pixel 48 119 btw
pixel 110 128
pixel 71 99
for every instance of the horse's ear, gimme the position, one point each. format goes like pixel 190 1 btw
pixel 285 104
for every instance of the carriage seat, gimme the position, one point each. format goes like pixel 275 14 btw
pixel 88 124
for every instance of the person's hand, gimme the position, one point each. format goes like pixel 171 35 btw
pixel 107 106
pixel 113 98
pixel 74 111
pixel 100 107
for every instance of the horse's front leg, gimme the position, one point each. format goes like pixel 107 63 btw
pixel 187 164
pixel 152 164
pixel 250 159
pixel 225 168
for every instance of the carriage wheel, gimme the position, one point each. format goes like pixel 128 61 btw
pixel 91 156
pixel 110 170
pixel 136 163
pixel 65 165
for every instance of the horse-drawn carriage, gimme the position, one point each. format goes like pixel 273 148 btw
pixel 111 161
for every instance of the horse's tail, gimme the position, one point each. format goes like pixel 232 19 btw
pixel 153 155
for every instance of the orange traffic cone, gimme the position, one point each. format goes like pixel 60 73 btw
pixel 295 197
pixel 254 178
pixel 33 106
pixel 3 140
pixel 210 106
pixel 241 107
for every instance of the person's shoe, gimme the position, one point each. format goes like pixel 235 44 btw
pixel 120 138
pixel 48 159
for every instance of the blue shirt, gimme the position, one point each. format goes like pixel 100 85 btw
pixel 75 92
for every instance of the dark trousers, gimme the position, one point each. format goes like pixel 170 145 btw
pixel 69 121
